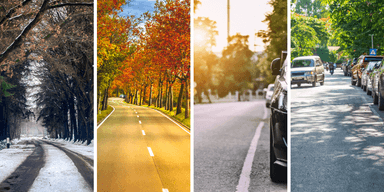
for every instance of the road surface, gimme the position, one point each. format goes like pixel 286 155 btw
pixel 50 167
pixel 222 141
pixel 337 138
pixel 139 149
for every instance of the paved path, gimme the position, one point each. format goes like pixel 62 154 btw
pixel 222 140
pixel 337 140
pixel 139 149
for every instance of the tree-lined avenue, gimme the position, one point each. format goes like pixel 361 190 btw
pixel 125 162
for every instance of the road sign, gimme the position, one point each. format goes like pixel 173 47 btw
pixel 372 52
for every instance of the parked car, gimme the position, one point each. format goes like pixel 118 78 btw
pixel 278 121
pixel 307 69
pixel 344 67
pixel 366 72
pixel 353 63
pixel 372 80
pixel 360 66
pixel 378 86
pixel 268 95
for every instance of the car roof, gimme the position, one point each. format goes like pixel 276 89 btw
pixel 270 85
pixel 307 57
pixel 370 56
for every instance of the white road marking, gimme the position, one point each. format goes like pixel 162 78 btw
pixel 139 122
pixel 245 179
pixel 150 152
pixel 165 190
pixel 137 116
pixel 107 116
pixel 143 132
pixel 173 121
pixel 135 112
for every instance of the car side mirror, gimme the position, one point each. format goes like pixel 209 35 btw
pixel 275 66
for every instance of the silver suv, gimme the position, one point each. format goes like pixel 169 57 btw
pixel 307 69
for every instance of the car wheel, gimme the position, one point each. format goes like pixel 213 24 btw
pixel 299 84
pixel 369 92
pixel 364 88
pixel 322 83
pixel 353 82
pixel 276 171
pixel 375 98
pixel 314 83
pixel 381 101
pixel 358 82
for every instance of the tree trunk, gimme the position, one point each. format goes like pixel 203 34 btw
pixel 150 96
pixel 136 98
pixel 179 99
pixel 141 96
pixel 170 98
pixel 145 92
pixel 166 106
pixel 186 100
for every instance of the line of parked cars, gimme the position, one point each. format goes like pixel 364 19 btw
pixel 367 73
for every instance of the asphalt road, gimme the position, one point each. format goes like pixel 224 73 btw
pixel 124 153
pixel 222 138
pixel 337 138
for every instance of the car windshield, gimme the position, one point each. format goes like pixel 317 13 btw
pixel 371 64
pixel 271 88
pixel 303 63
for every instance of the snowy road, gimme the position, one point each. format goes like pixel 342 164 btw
pixel 48 168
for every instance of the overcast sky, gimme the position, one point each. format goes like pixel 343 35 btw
pixel 246 18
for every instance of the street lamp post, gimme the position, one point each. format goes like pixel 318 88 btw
pixel 228 21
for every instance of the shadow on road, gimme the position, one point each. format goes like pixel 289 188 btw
pixel 337 142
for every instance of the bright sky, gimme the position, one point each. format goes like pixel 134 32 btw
pixel 246 18
pixel 138 7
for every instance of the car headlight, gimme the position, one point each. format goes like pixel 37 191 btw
pixel 308 73
pixel 282 104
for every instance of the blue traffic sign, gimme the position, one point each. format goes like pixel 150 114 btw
pixel 372 52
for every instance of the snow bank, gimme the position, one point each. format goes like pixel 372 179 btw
pixel 11 158
pixel 78 147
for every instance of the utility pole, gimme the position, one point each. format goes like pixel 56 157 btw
pixel 228 21
pixel 371 39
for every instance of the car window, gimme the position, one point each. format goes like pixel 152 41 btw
pixel 271 88
pixel 371 64
pixel 303 63
pixel 318 62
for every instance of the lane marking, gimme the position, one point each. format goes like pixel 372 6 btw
pixel 165 190
pixel 139 122
pixel 172 121
pixel 245 179
pixel 135 112
pixel 143 132
pixel 150 152
pixel 106 117
pixel 137 116
pixel 169 119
